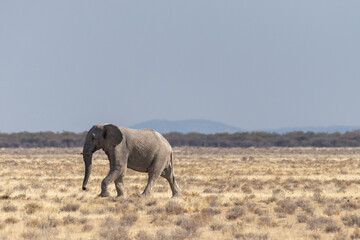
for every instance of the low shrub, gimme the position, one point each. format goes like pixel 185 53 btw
pixel 174 208
pixel 70 207
pixel 235 213
pixel 285 206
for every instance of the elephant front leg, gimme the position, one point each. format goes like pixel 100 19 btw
pixel 111 177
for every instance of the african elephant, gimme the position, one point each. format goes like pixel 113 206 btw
pixel 143 150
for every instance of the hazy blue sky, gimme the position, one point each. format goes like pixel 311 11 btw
pixel 66 65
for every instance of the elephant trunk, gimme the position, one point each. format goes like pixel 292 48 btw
pixel 88 165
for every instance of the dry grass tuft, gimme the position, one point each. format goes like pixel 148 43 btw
pixel 31 208
pixel 49 222
pixel 85 211
pixel 210 212
pixel 315 236
pixel 87 228
pixel 151 203
pixel 355 234
pixel 286 206
pixel 20 187
pixel 350 205
pixel 179 233
pixel 31 235
pixel 33 223
pixel 129 219
pixel 153 211
pixel 302 218
pixel 174 208
pixel 161 235
pixel 112 229
pixel 189 224
pixel 270 200
pixel 235 213
pixel 12 220
pixel 331 210
pixel 70 207
pixel 332 227
pixel 213 200
pixel 142 235
pixel 253 236
pixel 217 226
pixel 341 236
pixel 267 222
pixel 69 220
pixel 318 196
pixel 351 220
pixel 328 224
pixel 246 189
pixel 8 207
pixel 306 206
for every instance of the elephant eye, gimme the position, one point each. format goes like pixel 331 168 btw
pixel 92 137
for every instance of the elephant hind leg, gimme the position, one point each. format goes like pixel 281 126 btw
pixel 151 181
pixel 119 185
pixel 154 172
pixel 168 174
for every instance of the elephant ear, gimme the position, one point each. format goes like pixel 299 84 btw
pixel 112 135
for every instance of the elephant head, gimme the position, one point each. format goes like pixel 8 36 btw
pixel 101 136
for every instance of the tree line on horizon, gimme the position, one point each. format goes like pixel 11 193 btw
pixel 240 139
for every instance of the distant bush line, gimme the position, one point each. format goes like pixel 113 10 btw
pixel 41 139
pixel 243 139
pixel 265 139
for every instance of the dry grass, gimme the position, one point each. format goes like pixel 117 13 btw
pixel 31 208
pixel 251 193
pixel 8 207
pixel 70 207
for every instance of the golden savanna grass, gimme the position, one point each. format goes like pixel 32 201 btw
pixel 239 193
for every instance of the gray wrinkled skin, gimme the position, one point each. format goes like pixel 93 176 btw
pixel 143 150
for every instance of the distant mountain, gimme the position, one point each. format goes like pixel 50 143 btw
pixel 186 126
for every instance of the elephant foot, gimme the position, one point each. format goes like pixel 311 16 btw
pixel 145 195
pixel 177 195
pixel 120 196
pixel 104 194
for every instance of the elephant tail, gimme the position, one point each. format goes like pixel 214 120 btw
pixel 172 165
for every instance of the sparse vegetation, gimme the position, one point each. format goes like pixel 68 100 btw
pixel 228 193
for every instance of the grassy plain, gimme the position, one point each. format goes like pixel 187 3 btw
pixel 238 193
